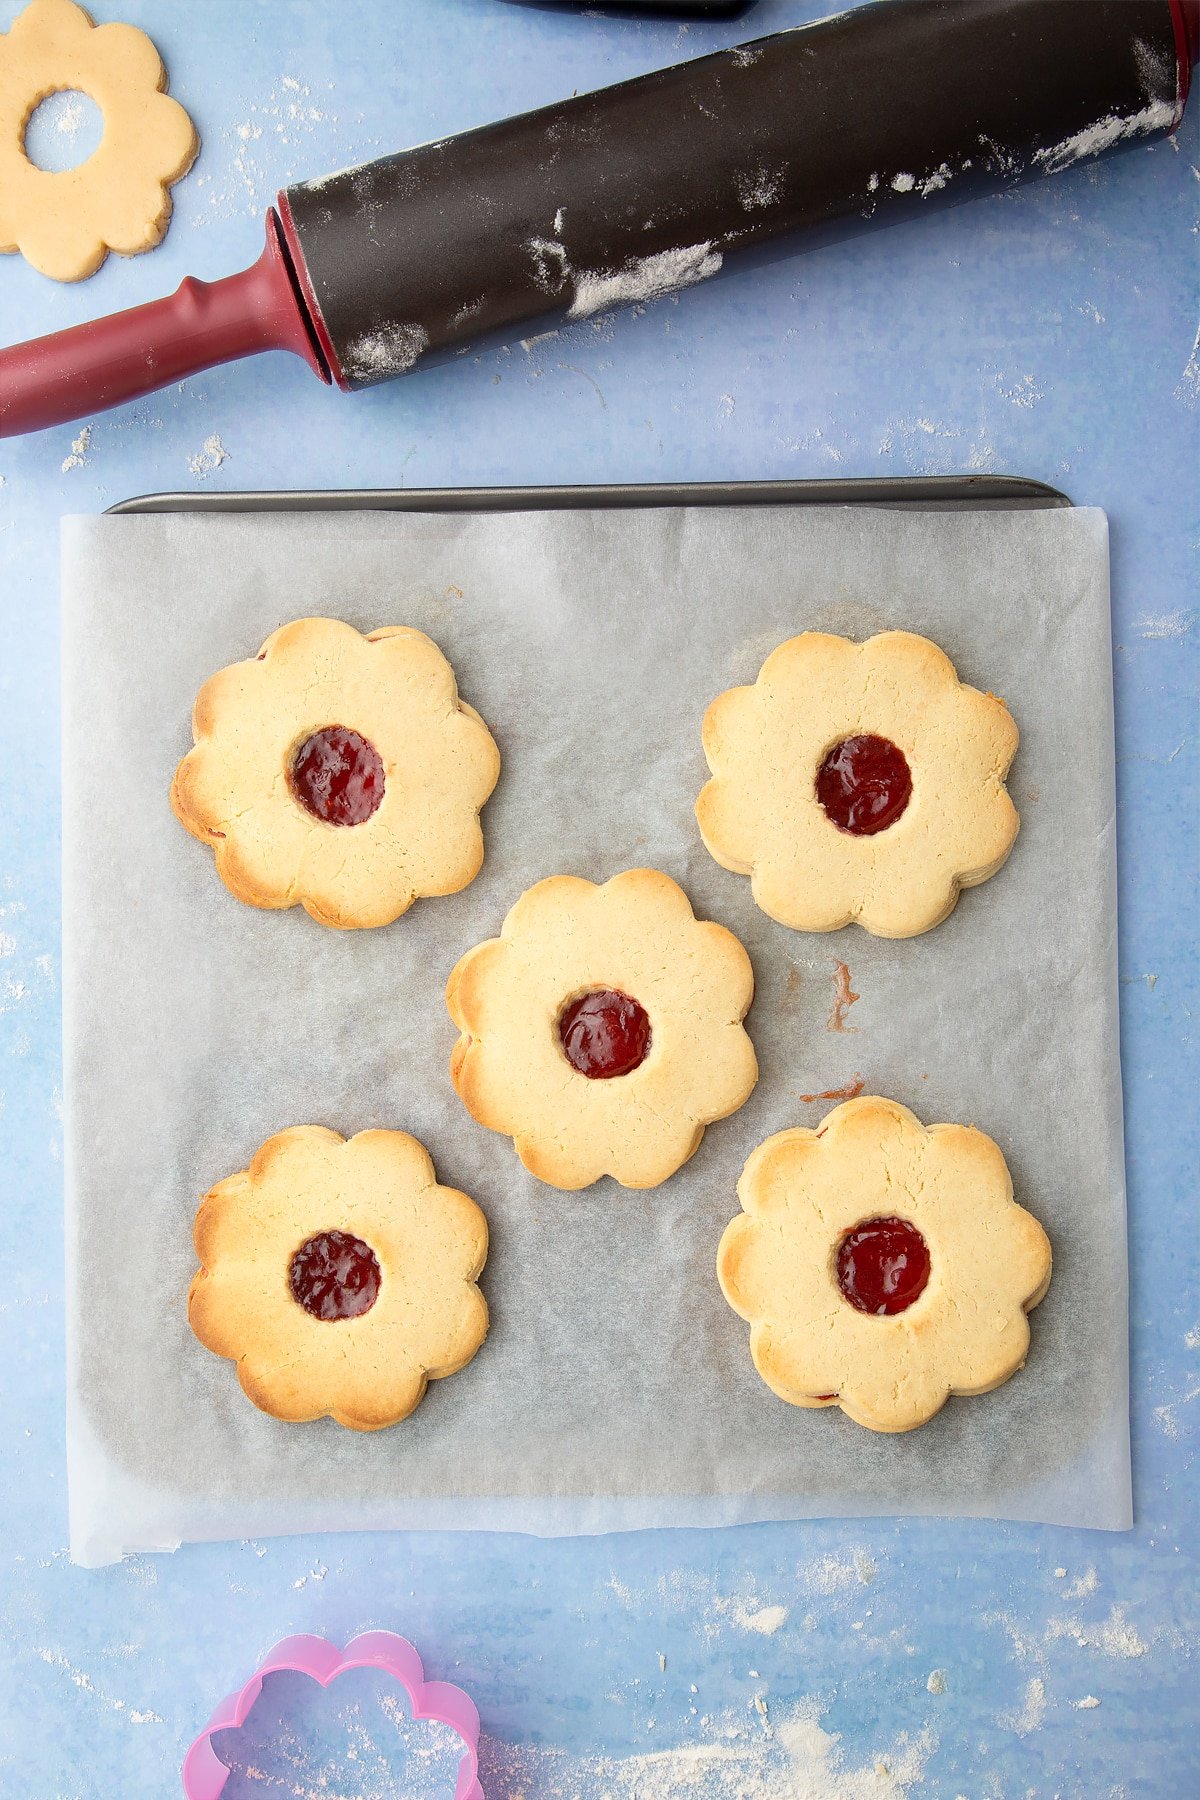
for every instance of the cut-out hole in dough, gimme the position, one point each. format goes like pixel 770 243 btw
pixel 63 131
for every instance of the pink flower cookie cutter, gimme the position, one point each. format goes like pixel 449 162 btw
pixel 204 1775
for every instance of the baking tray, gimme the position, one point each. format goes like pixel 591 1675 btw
pixel 931 492
pixel 141 888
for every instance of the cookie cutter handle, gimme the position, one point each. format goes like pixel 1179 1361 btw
pixel 88 368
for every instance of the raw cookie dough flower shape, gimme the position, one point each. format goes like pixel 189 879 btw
pixel 858 782
pixel 66 221
pixel 338 772
pixel 882 1266
pixel 602 1030
pixel 339 1276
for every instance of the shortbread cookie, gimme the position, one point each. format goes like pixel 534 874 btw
pixel 858 782
pixel 338 772
pixel 66 221
pixel 339 1276
pixel 602 1030
pixel 882 1266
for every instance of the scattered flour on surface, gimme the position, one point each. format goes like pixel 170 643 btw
pixel 1106 132
pixel 1192 1338
pixel 1088 1702
pixel 1024 393
pixel 937 1681
pixel 1187 388
pixel 84 1682
pixel 1031 1712
pixel 1083 1585
pixel 799 1761
pixel 643 278
pixel 839 1574
pixel 1113 1636
pixel 210 457
pixel 939 179
pixel 79 451
pixel 686 1591
pixel 1167 625
pixel 904 183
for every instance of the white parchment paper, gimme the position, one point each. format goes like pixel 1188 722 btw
pixel 616 1388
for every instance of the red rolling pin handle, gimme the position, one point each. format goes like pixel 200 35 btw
pixel 90 367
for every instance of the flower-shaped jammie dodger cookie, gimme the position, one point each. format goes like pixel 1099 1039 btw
pixel 858 782
pixel 339 1276
pixel 602 1030
pixel 338 772
pixel 66 221
pixel 882 1266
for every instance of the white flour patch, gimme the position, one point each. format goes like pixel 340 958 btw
pixel 1154 71
pixel 79 451
pixel 766 1621
pixel 1084 1585
pixel 759 189
pixel 392 350
pixel 643 278
pixel 940 177
pixel 872 184
pixel 1192 1338
pixel 839 1574
pixel 1091 311
pixel 936 1683
pixel 1167 625
pixel 1113 1636
pixel 904 183
pixel 1031 1712
pixel 1101 136
pixel 551 269
pixel 1087 1704
pixel 209 457
pixel 798 1761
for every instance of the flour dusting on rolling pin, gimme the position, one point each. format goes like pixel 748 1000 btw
pixel 642 189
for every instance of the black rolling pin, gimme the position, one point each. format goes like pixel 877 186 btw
pixel 643 188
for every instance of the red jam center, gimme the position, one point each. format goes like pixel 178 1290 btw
pixel 882 1265
pixel 338 776
pixel 864 785
pixel 335 1276
pixel 604 1033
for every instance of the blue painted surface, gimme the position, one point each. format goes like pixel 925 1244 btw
pixel 1047 332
